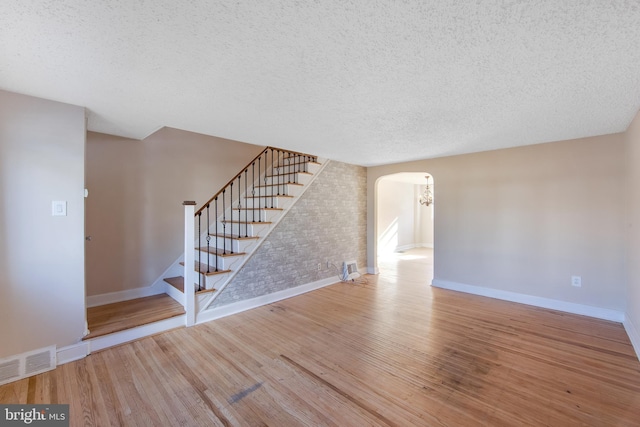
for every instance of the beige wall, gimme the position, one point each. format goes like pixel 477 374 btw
pixel 136 189
pixel 42 145
pixel 525 219
pixel 633 226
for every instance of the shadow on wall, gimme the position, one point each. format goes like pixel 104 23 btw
pixel 388 239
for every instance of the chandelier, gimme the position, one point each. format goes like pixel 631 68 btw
pixel 427 195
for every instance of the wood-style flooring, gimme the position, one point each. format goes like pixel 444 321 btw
pixel 109 318
pixel 390 352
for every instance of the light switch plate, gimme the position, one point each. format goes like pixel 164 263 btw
pixel 59 208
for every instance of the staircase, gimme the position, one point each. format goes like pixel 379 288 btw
pixel 231 226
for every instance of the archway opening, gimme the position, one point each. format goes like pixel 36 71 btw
pixel 405 220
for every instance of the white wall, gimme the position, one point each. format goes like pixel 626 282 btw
pixel 402 222
pixel 42 295
pixel 526 219
pixel 396 215
pixel 632 231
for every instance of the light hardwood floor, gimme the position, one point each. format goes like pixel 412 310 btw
pixel 109 318
pixel 391 352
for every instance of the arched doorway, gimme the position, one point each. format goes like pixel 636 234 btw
pixel 404 220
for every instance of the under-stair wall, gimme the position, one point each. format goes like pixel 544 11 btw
pixel 134 211
pixel 328 223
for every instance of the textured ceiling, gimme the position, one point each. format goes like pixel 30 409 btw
pixel 363 81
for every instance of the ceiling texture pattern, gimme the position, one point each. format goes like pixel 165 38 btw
pixel 367 82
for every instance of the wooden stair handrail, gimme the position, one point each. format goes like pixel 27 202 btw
pixel 245 168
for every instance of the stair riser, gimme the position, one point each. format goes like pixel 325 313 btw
pixel 209 281
pixel 213 282
pixel 247 197
pixel 277 189
pixel 299 158
pixel 246 215
pixel 314 168
pixel 271 202
pixel 242 229
pixel 223 262
pixel 251 215
pixel 229 246
pixel 292 168
pixel 229 243
pixel 299 178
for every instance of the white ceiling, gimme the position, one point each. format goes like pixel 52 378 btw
pixel 363 81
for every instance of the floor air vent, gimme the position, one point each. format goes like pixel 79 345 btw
pixel 27 364
pixel 9 371
pixel 350 270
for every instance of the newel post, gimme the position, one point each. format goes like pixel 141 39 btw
pixel 189 262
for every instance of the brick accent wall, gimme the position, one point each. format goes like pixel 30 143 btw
pixel 328 223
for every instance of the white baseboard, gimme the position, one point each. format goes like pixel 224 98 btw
pixel 238 307
pixel 72 352
pixel 373 270
pixel 413 246
pixel 634 336
pixel 405 247
pixel 78 351
pixel 83 349
pixel 111 297
pixel 568 307
pixel 117 338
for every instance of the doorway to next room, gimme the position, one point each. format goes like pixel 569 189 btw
pixel 405 224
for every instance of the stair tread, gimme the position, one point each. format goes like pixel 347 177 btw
pixel 245 222
pixel 260 209
pixel 297 163
pixel 204 291
pixel 119 316
pixel 288 173
pixel 203 269
pixel 277 184
pixel 235 237
pixel 219 251
pixel 293 156
pixel 264 195
pixel 178 283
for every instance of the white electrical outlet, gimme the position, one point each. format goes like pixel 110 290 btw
pixel 576 281
pixel 319 266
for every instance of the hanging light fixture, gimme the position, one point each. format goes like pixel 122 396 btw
pixel 427 195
